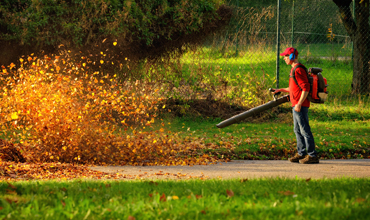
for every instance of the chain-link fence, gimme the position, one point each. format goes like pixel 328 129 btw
pixel 314 27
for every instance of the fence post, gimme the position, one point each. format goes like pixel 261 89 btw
pixel 237 33
pixel 354 18
pixel 292 24
pixel 277 43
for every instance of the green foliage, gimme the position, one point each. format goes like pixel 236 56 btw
pixel 81 22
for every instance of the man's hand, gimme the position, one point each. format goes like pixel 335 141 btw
pixel 297 107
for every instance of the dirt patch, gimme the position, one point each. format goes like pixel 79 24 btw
pixel 217 109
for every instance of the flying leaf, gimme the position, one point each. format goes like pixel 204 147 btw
pixel 14 115
pixel 12 65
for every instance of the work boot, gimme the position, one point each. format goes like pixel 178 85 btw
pixel 308 160
pixel 296 158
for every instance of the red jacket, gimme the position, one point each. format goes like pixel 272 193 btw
pixel 295 91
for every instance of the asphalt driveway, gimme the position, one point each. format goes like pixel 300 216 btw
pixel 245 169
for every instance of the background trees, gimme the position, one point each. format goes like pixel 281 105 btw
pixel 358 29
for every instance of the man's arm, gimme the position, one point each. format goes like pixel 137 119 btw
pixel 303 97
pixel 303 83
pixel 281 90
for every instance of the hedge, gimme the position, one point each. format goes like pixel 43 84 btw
pixel 139 24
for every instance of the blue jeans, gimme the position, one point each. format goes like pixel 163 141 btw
pixel 302 130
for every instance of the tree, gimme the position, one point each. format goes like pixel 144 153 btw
pixel 358 28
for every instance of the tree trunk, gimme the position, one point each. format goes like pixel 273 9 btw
pixel 359 32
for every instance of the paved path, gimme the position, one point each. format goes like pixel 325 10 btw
pixel 247 169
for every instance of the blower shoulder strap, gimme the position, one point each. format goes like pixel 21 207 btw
pixel 293 74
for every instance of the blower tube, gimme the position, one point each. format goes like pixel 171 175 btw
pixel 253 111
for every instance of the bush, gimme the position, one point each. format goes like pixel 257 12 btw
pixel 142 28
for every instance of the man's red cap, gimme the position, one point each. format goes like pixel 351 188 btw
pixel 289 51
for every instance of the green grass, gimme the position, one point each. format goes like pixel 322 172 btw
pixel 261 60
pixel 334 50
pixel 341 130
pixel 271 198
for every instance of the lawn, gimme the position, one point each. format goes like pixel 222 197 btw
pixel 270 198
pixel 261 61
pixel 275 139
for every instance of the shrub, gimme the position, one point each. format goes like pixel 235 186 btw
pixel 143 29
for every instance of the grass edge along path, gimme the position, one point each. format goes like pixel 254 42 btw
pixel 344 139
pixel 263 198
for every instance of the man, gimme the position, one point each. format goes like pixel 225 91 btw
pixel 298 91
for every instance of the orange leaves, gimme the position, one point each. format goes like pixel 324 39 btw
pixel 62 112
pixel 29 171
pixel 14 116
pixel 12 65
pixel 58 113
